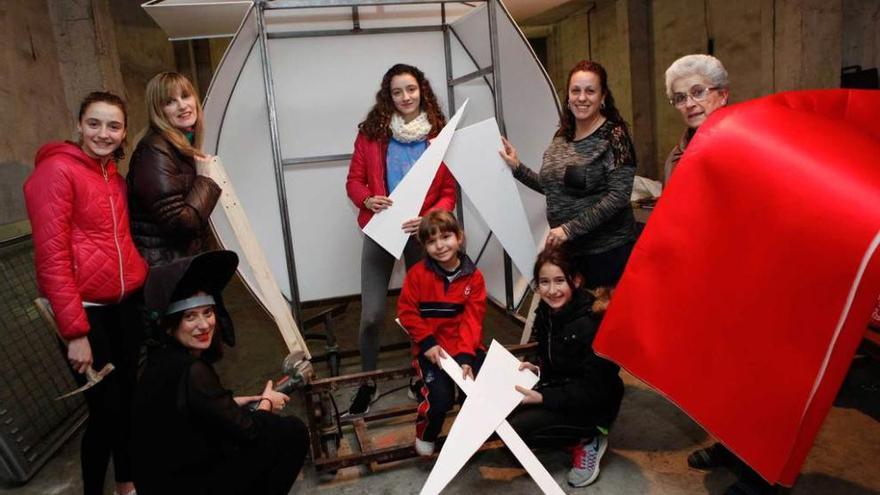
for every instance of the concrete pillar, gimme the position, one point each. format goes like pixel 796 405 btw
pixel 807 39
pixel 87 55
pixel 33 109
pixel 861 38
pixel 633 22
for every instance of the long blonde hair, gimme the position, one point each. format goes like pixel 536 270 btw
pixel 161 88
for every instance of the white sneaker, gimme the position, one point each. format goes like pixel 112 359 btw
pixel 424 448
pixel 585 461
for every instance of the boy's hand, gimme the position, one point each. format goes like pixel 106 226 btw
pixel 530 396
pixel 435 354
pixel 467 371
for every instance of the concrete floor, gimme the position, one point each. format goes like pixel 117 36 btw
pixel 648 445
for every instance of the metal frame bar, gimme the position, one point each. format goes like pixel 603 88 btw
pixel 305 4
pixel 304 160
pixel 473 75
pixel 450 99
pixel 491 11
pixel 357 30
pixel 277 161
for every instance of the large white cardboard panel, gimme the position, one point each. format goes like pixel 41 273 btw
pixel 245 147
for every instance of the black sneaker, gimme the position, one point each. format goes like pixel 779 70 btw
pixel 415 389
pixel 365 396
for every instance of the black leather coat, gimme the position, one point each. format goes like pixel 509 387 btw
pixel 168 202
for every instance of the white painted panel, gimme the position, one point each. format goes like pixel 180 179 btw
pixel 318 19
pixel 245 148
pixel 186 19
pixel 325 86
pixel 326 237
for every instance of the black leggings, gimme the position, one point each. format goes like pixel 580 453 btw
pixel 540 427
pixel 114 335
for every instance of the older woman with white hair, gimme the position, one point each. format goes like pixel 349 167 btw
pixel 696 86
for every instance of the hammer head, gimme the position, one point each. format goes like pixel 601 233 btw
pixel 93 378
pixel 298 368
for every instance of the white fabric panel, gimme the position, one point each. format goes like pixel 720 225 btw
pixel 226 78
pixel 246 150
pixel 318 19
pixel 326 237
pixel 187 19
pixel 369 17
pixel 409 15
pixel 325 86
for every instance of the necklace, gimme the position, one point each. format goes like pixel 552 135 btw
pixel 593 126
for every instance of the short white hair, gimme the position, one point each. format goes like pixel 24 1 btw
pixel 696 64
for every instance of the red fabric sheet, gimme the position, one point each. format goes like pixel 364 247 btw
pixel 733 302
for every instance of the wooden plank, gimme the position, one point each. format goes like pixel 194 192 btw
pixel 268 291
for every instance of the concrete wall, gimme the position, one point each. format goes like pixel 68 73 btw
pixel 766 45
pixel 54 53
pixel 32 104
pixel 861 38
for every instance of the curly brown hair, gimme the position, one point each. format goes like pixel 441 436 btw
pixel 609 110
pixel 375 126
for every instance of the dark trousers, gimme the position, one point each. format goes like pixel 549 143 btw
pixel 270 465
pixel 540 427
pixel 376 267
pixel 267 465
pixel 438 396
pixel 114 335
pixel 604 269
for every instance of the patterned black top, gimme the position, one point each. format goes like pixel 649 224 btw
pixel 588 184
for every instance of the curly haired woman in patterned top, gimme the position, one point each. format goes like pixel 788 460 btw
pixel 587 177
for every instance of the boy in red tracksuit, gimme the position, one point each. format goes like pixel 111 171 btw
pixel 441 305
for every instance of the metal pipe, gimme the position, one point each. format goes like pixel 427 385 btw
pixel 473 75
pixel 288 162
pixel 471 56
pixel 450 100
pixel 347 32
pixel 304 4
pixel 281 190
pixel 491 10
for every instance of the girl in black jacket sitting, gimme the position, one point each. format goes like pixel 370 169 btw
pixel 579 393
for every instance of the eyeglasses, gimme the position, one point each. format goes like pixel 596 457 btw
pixel 698 93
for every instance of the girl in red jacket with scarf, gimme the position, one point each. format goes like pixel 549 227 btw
pixel 390 140
pixel 91 272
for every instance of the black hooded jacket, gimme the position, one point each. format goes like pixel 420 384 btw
pixel 573 378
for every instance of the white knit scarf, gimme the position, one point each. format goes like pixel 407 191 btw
pixel 416 130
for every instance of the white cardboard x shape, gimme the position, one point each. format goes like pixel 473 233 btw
pixel 490 399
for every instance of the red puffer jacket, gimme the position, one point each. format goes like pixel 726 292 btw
pixel 366 177
pixel 82 241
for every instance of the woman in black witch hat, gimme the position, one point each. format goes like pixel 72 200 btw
pixel 190 434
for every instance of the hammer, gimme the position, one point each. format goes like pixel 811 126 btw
pixel 92 377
